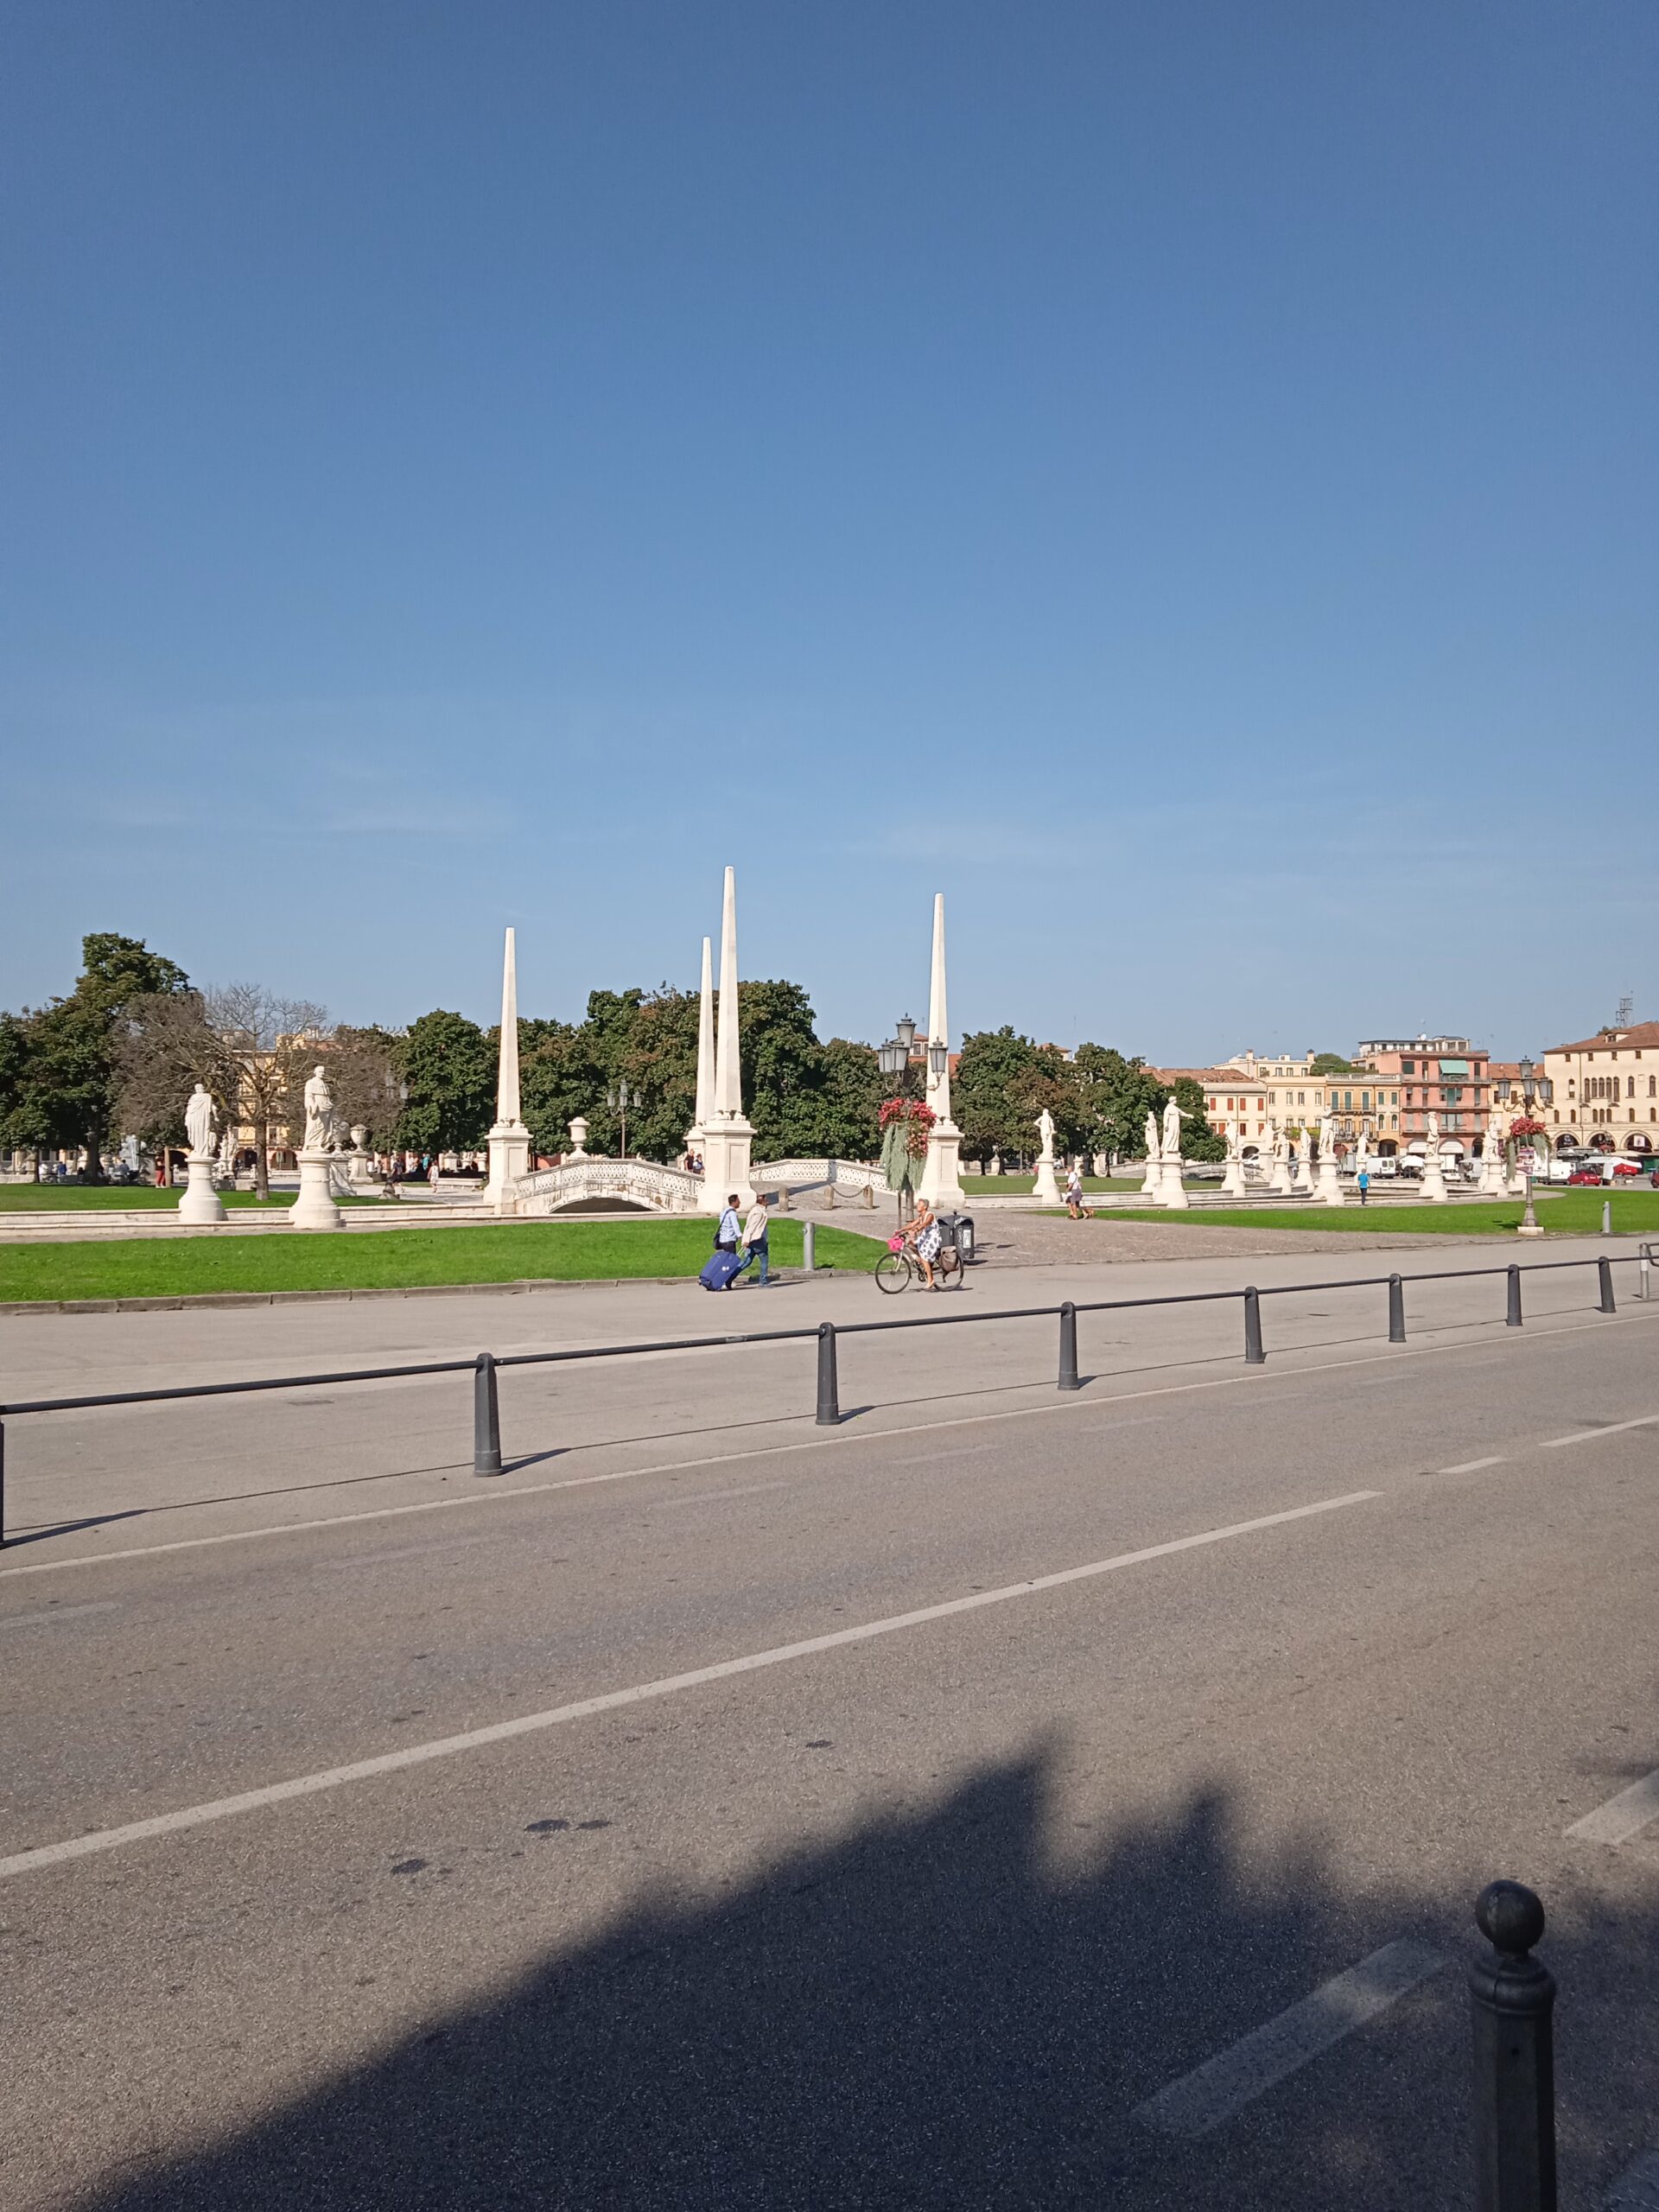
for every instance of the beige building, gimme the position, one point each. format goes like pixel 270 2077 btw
pixel 1605 1091
pixel 1232 1101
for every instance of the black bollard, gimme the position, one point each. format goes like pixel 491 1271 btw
pixel 1512 1319
pixel 487 1418
pixel 1396 1311
pixel 829 1386
pixel 1068 1347
pixel 1604 1269
pixel 1512 1997
pixel 1254 1355
pixel 2 1486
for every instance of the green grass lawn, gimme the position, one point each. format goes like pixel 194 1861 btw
pixel 97 1198
pixel 1636 1213
pixel 565 1251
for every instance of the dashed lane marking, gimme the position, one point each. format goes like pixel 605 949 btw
pixel 1223 2085
pixel 1472 1466
pixel 1591 1435
pixel 1621 1817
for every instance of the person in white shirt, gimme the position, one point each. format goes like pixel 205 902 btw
pixel 755 1242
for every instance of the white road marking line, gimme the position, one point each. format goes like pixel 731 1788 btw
pixel 1636 2188
pixel 51 1614
pixel 501 1732
pixel 1256 1379
pixel 1590 1435
pixel 708 1497
pixel 1472 1466
pixel 1619 1819
pixel 1212 2093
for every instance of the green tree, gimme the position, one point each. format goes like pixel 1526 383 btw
pixel 848 1102
pixel 63 1076
pixel 1116 1095
pixel 449 1065
pixel 994 1073
pixel 1331 1064
pixel 558 1078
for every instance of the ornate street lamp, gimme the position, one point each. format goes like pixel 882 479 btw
pixel 892 1057
pixel 1529 1092
pixel 619 1098
pixel 906 1031
pixel 939 1055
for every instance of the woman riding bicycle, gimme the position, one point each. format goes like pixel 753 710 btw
pixel 926 1236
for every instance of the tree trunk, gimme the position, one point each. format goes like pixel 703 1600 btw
pixel 94 1149
pixel 262 1159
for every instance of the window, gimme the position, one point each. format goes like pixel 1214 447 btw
pixel 1630 1086
pixel 1652 1085
pixel 1407 1067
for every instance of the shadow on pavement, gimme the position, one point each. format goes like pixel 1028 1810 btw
pixel 933 2012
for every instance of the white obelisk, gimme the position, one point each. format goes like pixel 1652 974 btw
pixel 941 1170
pixel 697 1133
pixel 728 1136
pixel 509 1138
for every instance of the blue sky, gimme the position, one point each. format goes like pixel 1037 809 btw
pixel 1179 479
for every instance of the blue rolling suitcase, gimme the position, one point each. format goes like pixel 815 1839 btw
pixel 720 1270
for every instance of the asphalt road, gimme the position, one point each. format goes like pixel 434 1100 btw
pixel 960 1808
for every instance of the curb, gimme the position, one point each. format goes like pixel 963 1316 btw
pixel 195 1301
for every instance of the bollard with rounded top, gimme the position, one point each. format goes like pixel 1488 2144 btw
pixel 487 1418
pixel 1604 1270
pixel 1254 1355
pixel 809 1247
pixel 1606 1216
pixel 1512 1319
pixel 1068 1347
pixel 1396 1311
pixel 829 1383
pixel 2 1486
pixel 1512 1999
pixel 1644 1274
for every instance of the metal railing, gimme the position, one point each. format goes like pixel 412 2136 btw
pixel 485 1366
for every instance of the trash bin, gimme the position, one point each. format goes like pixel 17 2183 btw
pixel 957 1229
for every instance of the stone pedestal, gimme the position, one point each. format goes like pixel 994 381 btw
pixel 726 1152
pixel 1172 1191
pixel 314 1208
pixel 1281 1182
pixel 1149 1181
pixel 1101 1166
pixel 1494 1175
pixel 1232 1183
pixel 942 1169
pixel 1433 1181
pixel 1045 1187
pixel 201 1202
pixel 1330 1191
pixel 509 1160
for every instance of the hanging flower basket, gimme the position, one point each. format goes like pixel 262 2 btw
pixel 1523 1126
pixel 904 1125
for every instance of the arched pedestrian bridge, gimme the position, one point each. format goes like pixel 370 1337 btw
pixel 597 1186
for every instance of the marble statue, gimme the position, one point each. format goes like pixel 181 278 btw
pixel 1497 1131
pixel 198 1121
pixel 1153 1146
pixel 1434 1133
pixel 319 1135
pixel 1279 1143
pixel 1045 1127
pixel 1172 1119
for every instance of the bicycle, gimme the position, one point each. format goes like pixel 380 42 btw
pixel 896 1271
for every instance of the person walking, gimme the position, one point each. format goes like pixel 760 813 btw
pixel 1365 1186
pixel 756 1240
pixel 1074 1204
pixel 729 1229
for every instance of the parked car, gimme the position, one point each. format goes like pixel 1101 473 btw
pixel 1385 1171
pixel 1587 1176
